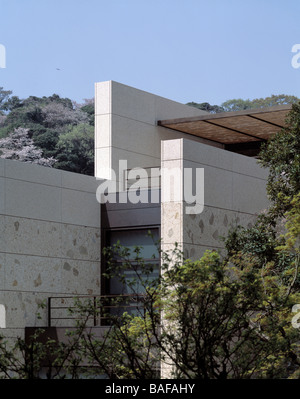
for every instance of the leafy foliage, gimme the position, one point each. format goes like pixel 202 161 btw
pixel 4 96
pixel 18 146
pixel 232 320
pixel 48 119
pixel 76 149
pixel 213 318
pixel 240 104
pixel 282 157
pixel 206 107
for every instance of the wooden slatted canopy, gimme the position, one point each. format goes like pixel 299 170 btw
pixel 252 126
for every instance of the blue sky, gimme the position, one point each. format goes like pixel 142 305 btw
pixel 186 50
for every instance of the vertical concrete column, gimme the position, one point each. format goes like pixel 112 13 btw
pixel 103 123
pixel 171 194
pixel 171 211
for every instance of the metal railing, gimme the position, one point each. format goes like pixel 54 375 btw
pixel 63 311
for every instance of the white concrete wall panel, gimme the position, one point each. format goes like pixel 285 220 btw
pixel 126 124
pixel 79 207
pixel 234 193
pixel 49 239
pixel 32 173
pixel 32 200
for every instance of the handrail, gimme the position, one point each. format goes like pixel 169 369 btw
pixel 131 297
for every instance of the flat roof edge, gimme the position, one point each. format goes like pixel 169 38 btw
pixel 249 111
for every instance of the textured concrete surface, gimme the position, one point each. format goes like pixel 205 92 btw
pixel 126 126
pixel 49 240
pixel 233 195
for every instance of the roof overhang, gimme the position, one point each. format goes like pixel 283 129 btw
pixel 251 126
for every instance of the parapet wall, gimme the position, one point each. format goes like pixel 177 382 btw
pixel 126 127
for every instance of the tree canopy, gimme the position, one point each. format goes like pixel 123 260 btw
pixel 50 120
pixel 47 120
pixel 75 149
pixel 240 104
pixel 18 146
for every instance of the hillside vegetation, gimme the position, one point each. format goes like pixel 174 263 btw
pixel 58 132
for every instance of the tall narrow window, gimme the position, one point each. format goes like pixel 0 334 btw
pixel 148 251
pixel 130 281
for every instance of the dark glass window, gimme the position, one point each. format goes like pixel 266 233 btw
pixel 130 282
pixel 148 251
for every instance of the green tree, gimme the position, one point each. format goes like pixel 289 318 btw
pixel 46 119
pixel 89 108
pixel 75 150
pixel 4 96
pixel 207 107
pixel 18 146
pixel 240 104
pixel 281 156
pixel 228 320
pixel 236 105
pixel 215 318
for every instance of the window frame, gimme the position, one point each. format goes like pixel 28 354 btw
pixel 105 290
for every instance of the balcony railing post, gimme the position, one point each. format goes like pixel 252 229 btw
pixel 49 311
pixel 106 303
pixel 95 310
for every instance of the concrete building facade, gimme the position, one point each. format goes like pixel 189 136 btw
pixel 49 240
pixel 54 224
pixel 129 128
